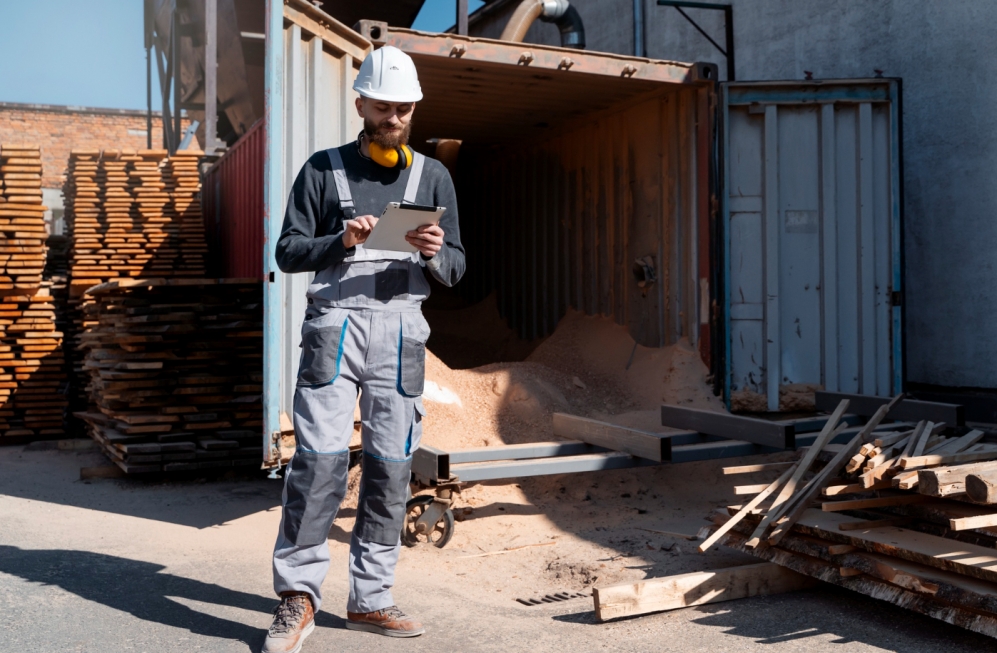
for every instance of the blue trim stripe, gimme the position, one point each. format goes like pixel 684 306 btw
pixel 388 460
pixel 322 453
pixel 408 440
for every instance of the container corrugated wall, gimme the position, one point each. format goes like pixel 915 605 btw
pixel 560 223
pixel 310 108
pixel 813 233
pixel 233 202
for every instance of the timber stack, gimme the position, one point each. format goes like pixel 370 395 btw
pixel 903 512
pixel 130 214
pixel 176 373
pixel 32 370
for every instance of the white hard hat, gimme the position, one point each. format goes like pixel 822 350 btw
pixel 389 75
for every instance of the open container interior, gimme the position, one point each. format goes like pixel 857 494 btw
pixel 582 181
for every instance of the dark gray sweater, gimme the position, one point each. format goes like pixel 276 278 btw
pixel 312 236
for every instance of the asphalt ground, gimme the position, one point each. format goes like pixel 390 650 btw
pixel 125 565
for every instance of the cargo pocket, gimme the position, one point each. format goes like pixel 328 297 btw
pixel 321 353
pixel 414 333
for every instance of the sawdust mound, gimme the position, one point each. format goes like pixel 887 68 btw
pixel 589 366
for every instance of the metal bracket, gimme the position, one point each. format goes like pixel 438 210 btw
pixel 375 31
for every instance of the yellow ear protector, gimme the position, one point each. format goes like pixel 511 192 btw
pixel 397 157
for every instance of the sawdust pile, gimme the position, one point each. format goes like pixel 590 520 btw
pixel 582 368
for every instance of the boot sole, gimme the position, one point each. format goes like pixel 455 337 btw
pixel 381 630
pixel 304 634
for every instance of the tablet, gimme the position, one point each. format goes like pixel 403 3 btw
pixel 396 221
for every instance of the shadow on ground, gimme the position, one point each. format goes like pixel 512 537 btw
pixel 846 617
pixel 54 477
pixel 143 590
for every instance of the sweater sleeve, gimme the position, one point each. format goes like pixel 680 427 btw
pixel 299 248
pixel 448 264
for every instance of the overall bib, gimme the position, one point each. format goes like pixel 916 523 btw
pixel 363 330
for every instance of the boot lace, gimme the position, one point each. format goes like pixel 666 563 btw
pixel 288 614
pixel 394 613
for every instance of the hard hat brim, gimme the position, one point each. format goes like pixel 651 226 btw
pixel 388 97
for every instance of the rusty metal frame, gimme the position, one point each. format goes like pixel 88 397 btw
pixel 542 57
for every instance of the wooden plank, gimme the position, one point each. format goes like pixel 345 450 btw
pixel 749 489
pixel 780 503
pixel 954 459
pixel 932 550
pixel 734 427
pixel 751 469
pixel 957 445
pixel 652 446
pixel 854 488
pixel 802 501
pixel 907 410
pixel 746 510
pixel 967 523
pixel 874 523
pixel 878 502
pixel 696 588
pixel 922 603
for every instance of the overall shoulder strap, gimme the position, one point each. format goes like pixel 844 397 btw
pixel 342 183
pixel 412 187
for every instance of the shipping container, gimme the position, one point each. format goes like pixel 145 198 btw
pixel 232 195
pixel 614 185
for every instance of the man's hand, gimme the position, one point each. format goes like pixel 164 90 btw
pixel 357 230
pixel 428 239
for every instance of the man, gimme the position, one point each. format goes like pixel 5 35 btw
pixel 363 330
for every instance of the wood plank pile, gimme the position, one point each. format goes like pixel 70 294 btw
pixel 32 367
pixel 176 373
pixel 907 515
pixel 130 214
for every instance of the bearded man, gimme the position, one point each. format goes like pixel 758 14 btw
pixel 363 331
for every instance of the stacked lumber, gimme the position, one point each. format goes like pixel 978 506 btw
pixel 32 369
pixel 906 516
pixel 22 219
pixel 130 214
pixel 176 373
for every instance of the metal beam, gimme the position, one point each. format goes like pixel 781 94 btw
pixel 210 75
pixel 477 472
pixel 735 427
pixel 908 409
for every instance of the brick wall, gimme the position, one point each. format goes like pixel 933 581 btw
pixel 59 129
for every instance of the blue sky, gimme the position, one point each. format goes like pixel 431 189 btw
pixel 91 53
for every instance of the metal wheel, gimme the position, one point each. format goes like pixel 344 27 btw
pixel 417 531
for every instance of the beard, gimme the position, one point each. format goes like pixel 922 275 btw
pixel 384 136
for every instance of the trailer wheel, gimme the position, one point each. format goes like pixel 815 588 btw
pixel 441 531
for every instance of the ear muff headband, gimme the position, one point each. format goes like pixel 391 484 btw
pixel 397 157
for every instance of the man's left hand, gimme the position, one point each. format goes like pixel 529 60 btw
pixel 428 239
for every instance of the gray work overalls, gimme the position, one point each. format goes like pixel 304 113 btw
pixel 363 330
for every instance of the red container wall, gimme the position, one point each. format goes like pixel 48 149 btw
pixel 233 208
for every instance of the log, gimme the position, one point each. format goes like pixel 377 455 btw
pixel 931 480
pixel 696 588
pixel 982 486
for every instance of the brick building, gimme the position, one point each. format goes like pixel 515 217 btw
pixel 59 129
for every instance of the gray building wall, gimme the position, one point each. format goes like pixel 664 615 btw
pixel 944 53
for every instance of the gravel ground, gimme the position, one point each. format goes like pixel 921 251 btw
pixel 124 565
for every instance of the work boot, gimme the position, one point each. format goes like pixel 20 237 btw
pixel 389 621
pixel 293 621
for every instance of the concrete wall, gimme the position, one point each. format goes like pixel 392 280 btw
pixel 944 53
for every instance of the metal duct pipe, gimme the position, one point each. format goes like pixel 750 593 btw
pixel 639 50
pixel 559 12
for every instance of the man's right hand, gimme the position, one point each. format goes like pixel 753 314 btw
pixel 357 230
